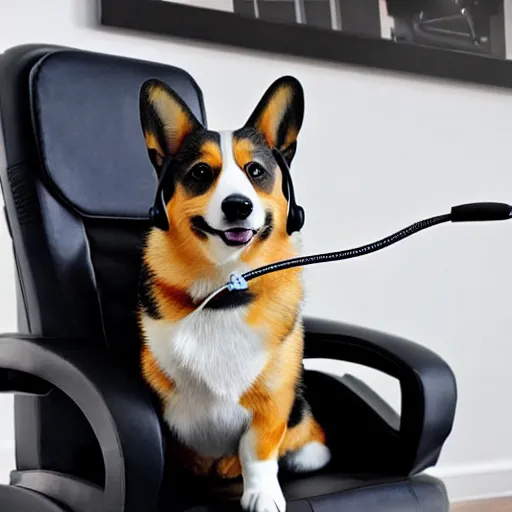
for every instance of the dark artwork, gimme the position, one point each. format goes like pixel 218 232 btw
pixel 475 26
pixel 457 39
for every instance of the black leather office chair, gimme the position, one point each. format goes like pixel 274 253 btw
pixel 77 185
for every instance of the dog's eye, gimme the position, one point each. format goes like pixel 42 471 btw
pixel 254 170
pixel 202 172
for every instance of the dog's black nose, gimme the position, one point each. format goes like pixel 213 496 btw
pixel 236 207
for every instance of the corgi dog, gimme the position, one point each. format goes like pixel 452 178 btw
pixel 229 376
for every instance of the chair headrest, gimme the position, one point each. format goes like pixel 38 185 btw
pixel 86 121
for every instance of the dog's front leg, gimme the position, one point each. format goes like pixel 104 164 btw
pixel 259 452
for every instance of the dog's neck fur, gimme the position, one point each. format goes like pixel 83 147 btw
pixel 204 286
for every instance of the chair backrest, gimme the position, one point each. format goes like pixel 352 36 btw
pixel 77 185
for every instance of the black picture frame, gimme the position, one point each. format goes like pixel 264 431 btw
pixel 225 28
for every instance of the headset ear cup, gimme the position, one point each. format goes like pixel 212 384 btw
pixel 296 219
pixel 158 218
pixel 301 214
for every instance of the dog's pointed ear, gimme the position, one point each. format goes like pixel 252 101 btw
pixel 166 120
pixel 279 115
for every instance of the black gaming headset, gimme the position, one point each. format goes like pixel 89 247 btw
pixel 471 212
pixel 158 213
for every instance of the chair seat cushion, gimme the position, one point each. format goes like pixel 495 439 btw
pixel 339 492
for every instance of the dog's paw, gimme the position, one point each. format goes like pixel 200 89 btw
pixel 263 500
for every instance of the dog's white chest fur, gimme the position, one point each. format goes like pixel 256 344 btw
pixel 213 357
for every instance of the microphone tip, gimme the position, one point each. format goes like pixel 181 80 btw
pixel 477 212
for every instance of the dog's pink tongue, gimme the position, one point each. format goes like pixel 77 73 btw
pixel 239 236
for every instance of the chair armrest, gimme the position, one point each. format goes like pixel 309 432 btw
pixel 428 385
pixel 117 406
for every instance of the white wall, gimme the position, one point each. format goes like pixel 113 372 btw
pixel 433 144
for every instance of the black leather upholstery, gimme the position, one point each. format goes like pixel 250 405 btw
pixel 114 403
pixel 77 186
pixel 91 125
pixel 427 386
pixel 337 493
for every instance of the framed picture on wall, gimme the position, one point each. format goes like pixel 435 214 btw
pixel 468 40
